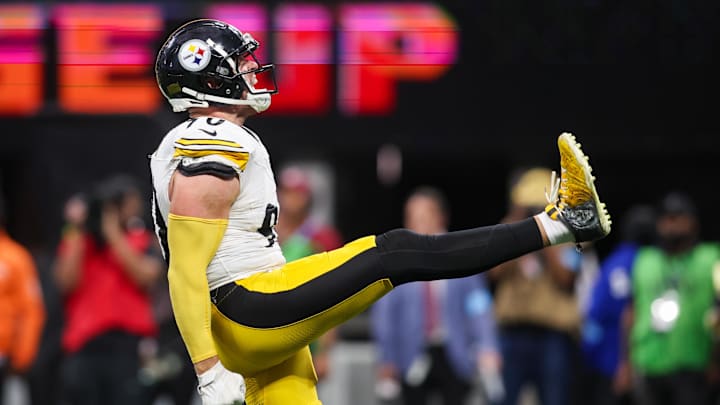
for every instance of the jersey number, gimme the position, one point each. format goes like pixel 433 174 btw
pixel 210 121
pixel 268 226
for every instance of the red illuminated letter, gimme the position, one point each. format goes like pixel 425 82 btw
pixel 106 58
pixel 21 74
pixel 250 18
pixel 303 53
pixel 383 43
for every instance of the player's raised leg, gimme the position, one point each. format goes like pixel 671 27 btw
pixel 574 214
pixel 279 312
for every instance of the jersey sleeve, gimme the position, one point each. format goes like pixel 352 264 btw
pixel 197 147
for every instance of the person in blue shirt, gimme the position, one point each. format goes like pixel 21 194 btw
pixel 602 322
pixel 444 347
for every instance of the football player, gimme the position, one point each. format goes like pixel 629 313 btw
pixel 245 315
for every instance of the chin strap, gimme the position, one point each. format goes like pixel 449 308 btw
pixel 258 102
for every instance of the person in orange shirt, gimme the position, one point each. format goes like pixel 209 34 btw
pixel 22 312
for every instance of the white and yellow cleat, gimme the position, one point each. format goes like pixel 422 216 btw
pixel 573 198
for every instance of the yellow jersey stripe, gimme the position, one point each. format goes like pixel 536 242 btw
pixel 239 158
pixel 187 142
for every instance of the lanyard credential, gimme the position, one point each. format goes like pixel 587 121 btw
pixel 665 308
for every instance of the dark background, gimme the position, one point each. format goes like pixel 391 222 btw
pixel 637 83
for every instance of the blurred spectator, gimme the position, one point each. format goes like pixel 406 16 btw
pixel 602 331
pixel 536 306
pixel 300 235
pixel 44 385
pixel 670 343
pixel 106 264
pixel 166 369
pixel 435 337
pixel 587 275
pixel 22 312
pixel 303 234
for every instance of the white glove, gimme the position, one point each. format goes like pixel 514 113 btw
pixel 220 386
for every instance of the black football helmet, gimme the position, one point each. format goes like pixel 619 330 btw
pixel 198 66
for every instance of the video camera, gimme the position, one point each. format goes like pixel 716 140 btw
pixel 108 193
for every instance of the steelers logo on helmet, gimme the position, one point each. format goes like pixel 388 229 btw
pixel 194 55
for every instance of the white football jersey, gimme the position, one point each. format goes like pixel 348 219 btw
pixel 249 245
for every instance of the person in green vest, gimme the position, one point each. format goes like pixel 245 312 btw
pixel 669 341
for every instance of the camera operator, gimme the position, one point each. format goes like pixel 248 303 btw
pixel 107 262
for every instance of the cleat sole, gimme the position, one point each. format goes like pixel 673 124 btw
pixel 584 161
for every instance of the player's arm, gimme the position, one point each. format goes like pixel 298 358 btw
pixel 480 315
pixel 384 320
pixel 67 268
pixel 144 269
pixel 561 269
pixel 622 380
pixel 199 210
